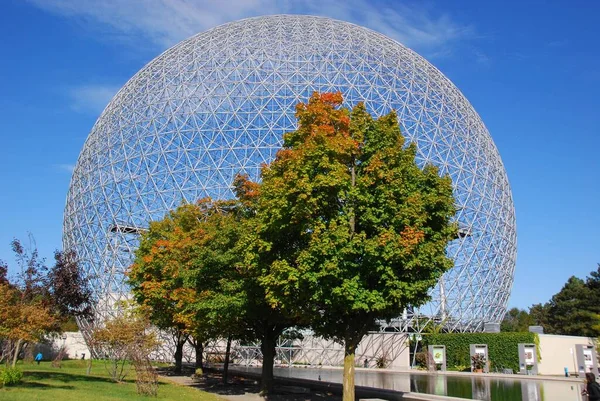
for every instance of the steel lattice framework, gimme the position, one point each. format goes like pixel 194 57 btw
pixel 218 104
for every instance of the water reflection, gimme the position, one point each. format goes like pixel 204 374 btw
pixel 481 388
pixel 495 389
pixel 530 391
pixel 469 387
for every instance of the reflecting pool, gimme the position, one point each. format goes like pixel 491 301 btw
pixel 496 389
pixel 511 388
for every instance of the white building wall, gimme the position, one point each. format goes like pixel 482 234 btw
pixel 72 341
pixel 558 352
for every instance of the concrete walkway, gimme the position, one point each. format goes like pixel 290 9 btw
pixel 244 387
pixel 469 374
pixel 247 389
pixel 188 381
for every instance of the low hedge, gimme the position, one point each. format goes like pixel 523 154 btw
pixel 503 348
pixel 10 377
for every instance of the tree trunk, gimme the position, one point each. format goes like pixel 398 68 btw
pixel 352 216
pixel 267 347
pixel 199 354
pixel 16 354
pixel 349 350
pixel 5 351
pixel 226 364
pixel 179 354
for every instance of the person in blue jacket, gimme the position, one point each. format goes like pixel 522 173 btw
pixel 38 357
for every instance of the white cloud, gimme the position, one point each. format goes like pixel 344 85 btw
pixel 166 22
pixel 65 167
pixel 414 25
pixel 482 58
pixel 91 98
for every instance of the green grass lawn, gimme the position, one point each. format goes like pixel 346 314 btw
pixel 70 382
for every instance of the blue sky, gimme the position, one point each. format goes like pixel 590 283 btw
pixel 531 70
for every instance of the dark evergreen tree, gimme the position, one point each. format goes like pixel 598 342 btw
pixel 539 316
pixel 570 312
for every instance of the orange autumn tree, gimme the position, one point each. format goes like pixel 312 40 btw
pixel 22 320
pixel 26 309
pixel 190 270
pixel 349 228
pixel 185 273
pixel 156 276
pixel 37 300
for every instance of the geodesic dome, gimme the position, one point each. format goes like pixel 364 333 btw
pixel 218 103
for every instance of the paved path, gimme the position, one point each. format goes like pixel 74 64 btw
pixel 241 389
pixel 247 389
pixel 187 381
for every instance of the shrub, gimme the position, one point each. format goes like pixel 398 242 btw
pixel 123 339
pixel 422 359
pixel 382 362
pixel 11 376
pixel 198 373
pixel 478 361
pixel 146 378
pixel 503 349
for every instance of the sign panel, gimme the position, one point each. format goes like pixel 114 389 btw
pixel 529 356
pixel 587 356
pixel 438 355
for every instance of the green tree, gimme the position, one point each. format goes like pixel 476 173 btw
pixel 189 269
pixel 516 320
pixel 351 229
pixel 184 274
pixel 570 312
pixel 266 321
pixel 539 316
pixel 592 282
pixel 215 300
pixel 574 310
pixel 156 277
